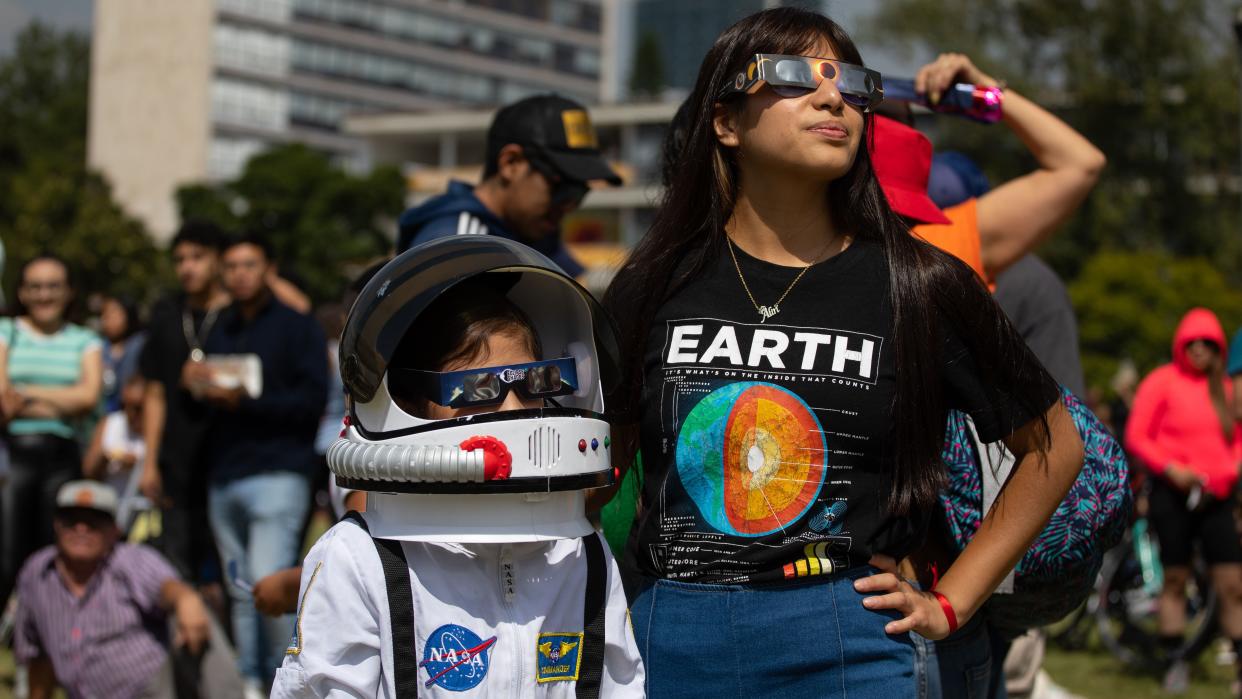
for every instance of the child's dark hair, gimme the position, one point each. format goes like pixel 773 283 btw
pixel 133 313
pixel 456 327
pixel 202 233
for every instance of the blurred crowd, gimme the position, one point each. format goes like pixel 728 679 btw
pixel 161 466
pixel 204 422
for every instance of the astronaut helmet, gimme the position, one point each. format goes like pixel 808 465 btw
pixel 476 371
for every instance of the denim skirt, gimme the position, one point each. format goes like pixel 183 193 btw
pixel 803 639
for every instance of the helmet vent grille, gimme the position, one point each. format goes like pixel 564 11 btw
pixel 544 447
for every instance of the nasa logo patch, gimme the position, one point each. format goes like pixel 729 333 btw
pixel 455 658
pixel 558 656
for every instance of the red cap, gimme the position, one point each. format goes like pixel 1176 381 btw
pixel 902 159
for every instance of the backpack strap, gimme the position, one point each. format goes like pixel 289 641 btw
pixel 592 669
pixel 400 609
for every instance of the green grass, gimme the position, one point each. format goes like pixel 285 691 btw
pixel 1094 674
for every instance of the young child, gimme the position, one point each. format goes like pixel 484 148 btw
pixel 117 450
pixel 476 371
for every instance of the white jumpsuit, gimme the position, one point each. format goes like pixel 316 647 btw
pixel 490 621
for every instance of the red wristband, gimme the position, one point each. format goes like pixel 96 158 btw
pixel 948 610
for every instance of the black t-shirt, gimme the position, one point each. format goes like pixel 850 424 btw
pixel 186 419
pixel 767 443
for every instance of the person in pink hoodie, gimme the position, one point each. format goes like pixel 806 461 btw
pixel 1182 429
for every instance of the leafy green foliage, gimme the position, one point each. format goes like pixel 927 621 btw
pixel 318 216
pixel 1129 304
pixel 48 199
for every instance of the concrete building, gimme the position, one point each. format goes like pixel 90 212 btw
pixel 435 147
pixel 187 91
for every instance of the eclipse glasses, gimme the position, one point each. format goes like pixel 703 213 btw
pixel 490 385
pixel 795 76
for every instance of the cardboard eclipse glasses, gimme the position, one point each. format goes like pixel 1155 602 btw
pixel 488 385
pixel 794 76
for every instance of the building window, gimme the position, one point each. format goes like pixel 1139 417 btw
pixel 251 49
pixel 408 23
pixel 400 73
pixel 249 104
pixel 323 112
pixel 271 10
pixel 227 157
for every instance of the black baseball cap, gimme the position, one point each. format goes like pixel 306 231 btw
pixel 559 129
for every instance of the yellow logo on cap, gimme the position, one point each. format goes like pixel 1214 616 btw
pixel 578 130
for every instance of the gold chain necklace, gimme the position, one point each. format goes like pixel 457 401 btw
pixel 766 312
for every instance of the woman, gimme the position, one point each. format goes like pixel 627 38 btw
pixel 793 351
pixel 1182 428
pixel 50 379
pixel 123 340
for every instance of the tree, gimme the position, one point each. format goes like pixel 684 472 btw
pixel 49 201
pixel 1129 303
pixel 647 76
pixel 318 217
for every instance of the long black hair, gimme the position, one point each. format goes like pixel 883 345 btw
pixel 688 232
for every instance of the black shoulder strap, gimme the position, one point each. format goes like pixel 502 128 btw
pixel 356 518
pixel 400 609
pixel 592 669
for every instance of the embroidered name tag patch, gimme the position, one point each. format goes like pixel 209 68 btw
pixel 558 656
pixel 455 658
pixel 295 644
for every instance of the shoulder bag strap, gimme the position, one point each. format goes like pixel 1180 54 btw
pixel 592 669
pixel 400 609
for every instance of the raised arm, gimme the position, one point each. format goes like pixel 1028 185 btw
pixel 1018 215
pixel 288 294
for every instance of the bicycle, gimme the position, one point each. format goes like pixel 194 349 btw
pixel 1126 601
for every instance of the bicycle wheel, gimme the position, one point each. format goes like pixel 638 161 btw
pixel 1074 631
pixel 1126 619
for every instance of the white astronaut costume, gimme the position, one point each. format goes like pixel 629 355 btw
pixel 474 572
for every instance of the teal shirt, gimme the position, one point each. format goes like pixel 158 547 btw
pixel 36 359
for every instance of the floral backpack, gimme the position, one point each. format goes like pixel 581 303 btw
pixel 1059 570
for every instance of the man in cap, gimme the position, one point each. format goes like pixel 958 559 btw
pixel 541 154
pixel 87 603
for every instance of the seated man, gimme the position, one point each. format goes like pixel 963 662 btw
pixel 92 611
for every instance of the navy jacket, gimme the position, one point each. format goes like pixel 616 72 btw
pixel 276 431
pixel 459 212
